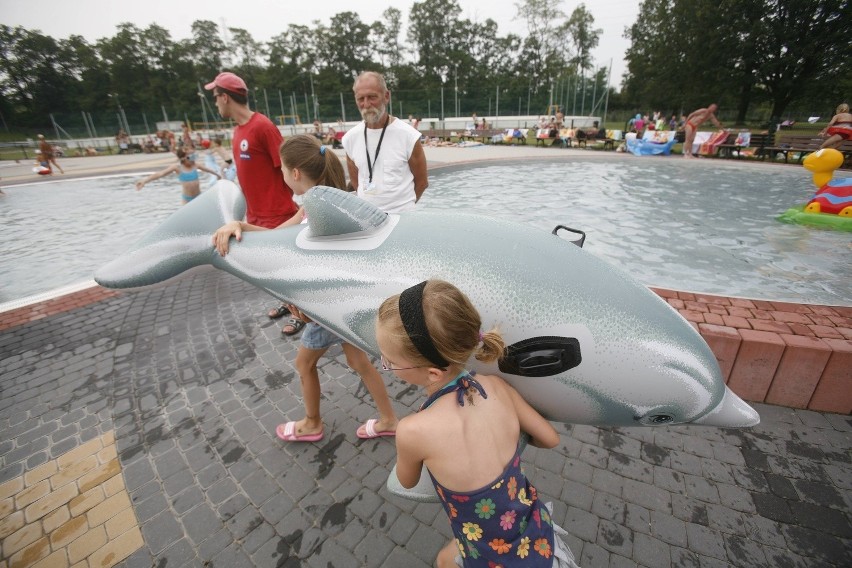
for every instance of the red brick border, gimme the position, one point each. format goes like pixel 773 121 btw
pixel 795 355
pixel 64 303
pixel 782 353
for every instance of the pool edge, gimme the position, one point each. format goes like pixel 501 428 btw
pixel 782 353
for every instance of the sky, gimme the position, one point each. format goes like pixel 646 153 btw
pixel 263 19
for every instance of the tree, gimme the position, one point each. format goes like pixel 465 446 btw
pixel 247 55
pixel 432 30
pixel 344 47
pixel 582 38
pixel 541 54
pixel 36 81
pixel 89 83
pixel 694 52
pixel 800 41
pixel 386 42
pixel 205 48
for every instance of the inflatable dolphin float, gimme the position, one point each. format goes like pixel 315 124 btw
pixel 586 343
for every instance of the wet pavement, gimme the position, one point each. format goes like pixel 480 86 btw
pixel 192 378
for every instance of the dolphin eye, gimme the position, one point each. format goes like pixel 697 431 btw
pixel 657 417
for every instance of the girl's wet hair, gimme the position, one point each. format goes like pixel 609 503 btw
pixel 842 108
pixel 303 152
pixel 453 324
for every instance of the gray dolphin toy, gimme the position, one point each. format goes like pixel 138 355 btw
pixel 587 343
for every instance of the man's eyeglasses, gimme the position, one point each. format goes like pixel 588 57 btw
pixel 217 95
pixel 386 365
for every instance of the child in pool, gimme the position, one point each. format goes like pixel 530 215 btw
pixel 468 440
pixel 187 172
pixel 306 164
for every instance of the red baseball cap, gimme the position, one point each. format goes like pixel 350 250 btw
pixel 229 82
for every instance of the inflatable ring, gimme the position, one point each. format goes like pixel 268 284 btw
pixel 799 216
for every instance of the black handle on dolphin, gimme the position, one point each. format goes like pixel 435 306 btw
pixel 578 231
pixel 541 356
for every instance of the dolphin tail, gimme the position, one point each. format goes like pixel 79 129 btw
pixel 183 241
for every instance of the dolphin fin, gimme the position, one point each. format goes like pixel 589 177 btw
pixel 335 212
pixel 181 242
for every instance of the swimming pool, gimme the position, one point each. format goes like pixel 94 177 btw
pixel 56 233
pixel 706 226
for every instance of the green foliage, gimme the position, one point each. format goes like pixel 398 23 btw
pixel 685 54
pixel 753 57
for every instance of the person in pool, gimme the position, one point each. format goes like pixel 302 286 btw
pixel 839 128
pixel 467 431
pixel 187 172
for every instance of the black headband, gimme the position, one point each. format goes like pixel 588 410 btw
pixel 414 322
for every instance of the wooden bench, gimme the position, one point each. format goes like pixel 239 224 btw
pixel 582 139
pixel 551 135
pixel 757 142
pixel 440 134
pixel 522 139
pixel 483 136
pixel 787 144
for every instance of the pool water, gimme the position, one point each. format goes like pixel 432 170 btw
pixel 705 226
pixel 57 233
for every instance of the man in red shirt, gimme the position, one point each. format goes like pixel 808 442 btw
pixel 269 201
pixel 256 142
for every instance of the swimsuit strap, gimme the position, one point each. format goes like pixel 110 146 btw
pixel 460 385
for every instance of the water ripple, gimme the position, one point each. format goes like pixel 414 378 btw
pixel 707 227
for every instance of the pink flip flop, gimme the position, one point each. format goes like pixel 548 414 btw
pixel 369 431
pixel 287 432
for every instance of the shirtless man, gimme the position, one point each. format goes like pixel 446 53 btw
pixel 839 128
pixel 47 154
pixel 693 121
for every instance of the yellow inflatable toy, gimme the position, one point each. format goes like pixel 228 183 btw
pixel 831 206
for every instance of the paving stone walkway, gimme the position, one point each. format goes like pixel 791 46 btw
pixel 191 379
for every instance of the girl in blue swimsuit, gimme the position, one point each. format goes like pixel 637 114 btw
pixel 187 172
pixel 467 431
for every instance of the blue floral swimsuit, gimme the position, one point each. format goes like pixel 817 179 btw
pixel 503 523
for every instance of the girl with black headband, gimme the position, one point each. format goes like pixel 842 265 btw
pixel 467 431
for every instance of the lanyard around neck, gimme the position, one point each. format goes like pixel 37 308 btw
pixel 378 146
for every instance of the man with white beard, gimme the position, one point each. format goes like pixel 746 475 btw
pixel 387 165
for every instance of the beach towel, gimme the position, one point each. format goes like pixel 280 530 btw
pixel 709 148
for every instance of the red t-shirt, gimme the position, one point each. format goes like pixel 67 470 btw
pixel 269 200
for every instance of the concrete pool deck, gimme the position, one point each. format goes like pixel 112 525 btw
pixel 138 430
